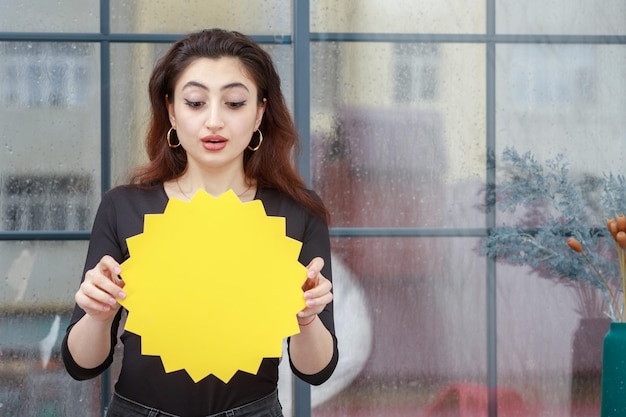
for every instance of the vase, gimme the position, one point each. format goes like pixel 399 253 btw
pixel 587 345
pixel 614 372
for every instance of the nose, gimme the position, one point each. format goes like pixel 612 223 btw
pixel 214 118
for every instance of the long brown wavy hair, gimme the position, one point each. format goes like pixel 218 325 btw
pixel 272 166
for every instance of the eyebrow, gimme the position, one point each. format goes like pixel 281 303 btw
pixel 204 87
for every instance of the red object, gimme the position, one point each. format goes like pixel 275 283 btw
pixel 471 400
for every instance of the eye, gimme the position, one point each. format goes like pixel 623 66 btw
pixel 194 104
pixel 235 104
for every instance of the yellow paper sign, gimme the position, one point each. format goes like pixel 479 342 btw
pixel 213 286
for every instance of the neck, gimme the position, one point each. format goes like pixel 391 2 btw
pixel 213 183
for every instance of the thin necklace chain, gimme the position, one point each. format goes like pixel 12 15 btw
pixel 189 198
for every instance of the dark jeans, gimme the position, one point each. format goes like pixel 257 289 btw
pixel 265 407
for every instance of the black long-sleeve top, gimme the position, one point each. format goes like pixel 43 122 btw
pixel 142 378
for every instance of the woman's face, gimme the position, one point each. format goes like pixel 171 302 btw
pixel 215 112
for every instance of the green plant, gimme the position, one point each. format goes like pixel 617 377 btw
pixel 548 205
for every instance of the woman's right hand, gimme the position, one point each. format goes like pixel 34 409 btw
pixel 99 291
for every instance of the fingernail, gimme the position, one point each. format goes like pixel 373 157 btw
pixel 121 295
pixel 310 303
pixel 117 270
pixel 310 273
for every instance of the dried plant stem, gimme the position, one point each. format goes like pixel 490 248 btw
pixel 605 282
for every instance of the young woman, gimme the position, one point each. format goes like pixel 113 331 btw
pixel 219 122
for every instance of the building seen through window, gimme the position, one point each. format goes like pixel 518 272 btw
pixel 416 72
pixel 46 202
pixel 43 74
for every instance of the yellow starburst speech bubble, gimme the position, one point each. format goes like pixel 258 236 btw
pixel 213 286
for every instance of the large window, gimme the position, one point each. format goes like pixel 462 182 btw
pixel 404 114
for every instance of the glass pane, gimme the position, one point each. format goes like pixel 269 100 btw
pixel 50 113
pixel 398 16
pixel 267 17
pixel 560 99
pixel 50 16
pixel 401 325
pixel 557 100
pixel 399 142
pixel 555 366
pixel 561 17
pixel 130 109
pixel 37 297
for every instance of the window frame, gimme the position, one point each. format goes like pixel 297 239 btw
pixel 301 40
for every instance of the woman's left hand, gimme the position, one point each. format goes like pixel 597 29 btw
pixel 317 291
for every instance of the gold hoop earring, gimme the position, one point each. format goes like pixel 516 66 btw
pixel 169 141
pixel 256 148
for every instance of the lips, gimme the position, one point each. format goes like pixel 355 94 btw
pixel 214 143
pixel 214 139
